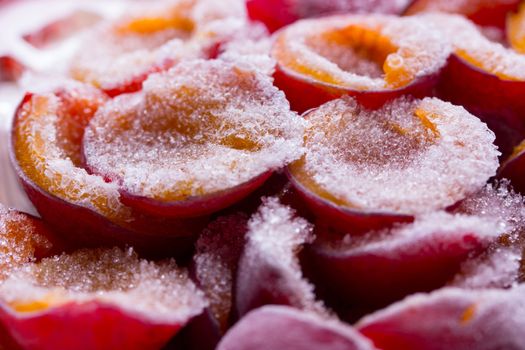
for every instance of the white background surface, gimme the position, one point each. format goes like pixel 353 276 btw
pixel 11 194
pixel 20 17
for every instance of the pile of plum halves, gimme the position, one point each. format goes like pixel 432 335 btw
pixel 273 175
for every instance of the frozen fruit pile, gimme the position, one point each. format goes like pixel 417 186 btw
pixel 268 174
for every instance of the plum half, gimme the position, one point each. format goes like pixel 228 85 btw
pixel 374 58
pixel 358 274
pixel 366 169
pixel 485 77
pixel 214 269
pixel 24 239
pixel 269 271
pixel 501 264
pixel 83 208
pixel 152 38
pixel 283 327
pixel 451 318
pixel 97 299
pixel 197 139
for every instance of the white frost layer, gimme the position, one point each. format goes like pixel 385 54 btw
pixel 202 127
pixel 428 233
pixel 390 160
pixel 501 265
pixel 419 51
pixel 118 57
pixel 159 291
pixel 18 238
pixel 274 239
pixel 466 37
pixel 282 327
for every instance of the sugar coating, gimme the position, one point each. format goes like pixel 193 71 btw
pixel 274 238
pixel 500 202
pixel 123 60
pixel 215 261
pixel 19 237
pixel 200 128
pixel 416 52
pixel 253 47
pixel 158 291
pixel 470 44
pixel 391 159
pixel 118 56
pixel 44 160
pixel 428 233
pixel 452 318
pixel 501 265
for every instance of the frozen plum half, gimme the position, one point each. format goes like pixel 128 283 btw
pixel 269 271
pixel 355 274
pixel 451 318
pixel 24 239
pixel 485 77
pixel 283 327
pixel 197 139
pixel 214 269
pixel 97 299
pixel 366 169
pixel 374 58
pixel 83 208
pixel 501 264
pixel 153 37
pixel 487 13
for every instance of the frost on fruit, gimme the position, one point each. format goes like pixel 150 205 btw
pixel 155 291
pixel 201 128
pixel 215 263
pixel 429 234
pixel 410 156
pixel 501 265
pixel 474 48
pixel 20 238
pixel 360 52
pixel 451 318
pixel 368 271
pixel 147 39
pixel 47 135
pixel 282 327
pixel 269 270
